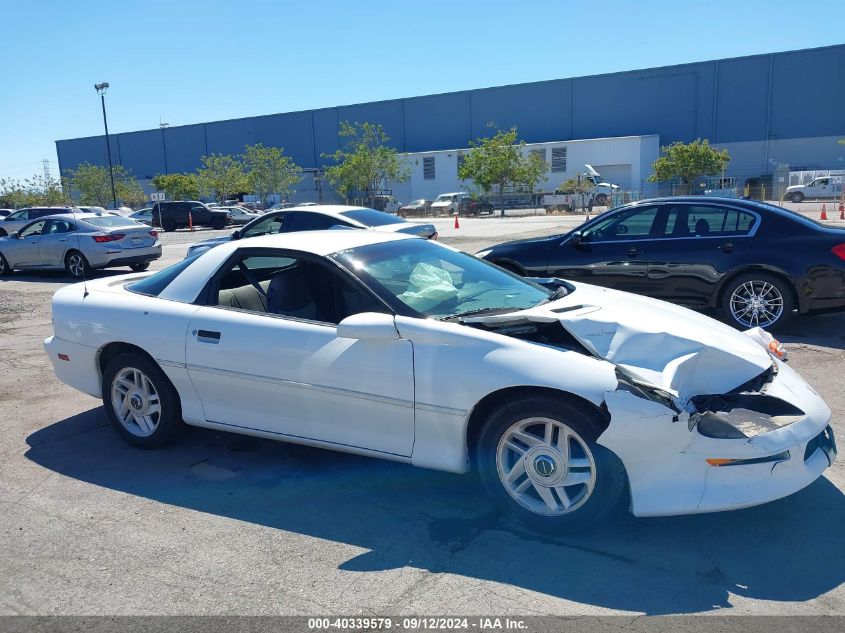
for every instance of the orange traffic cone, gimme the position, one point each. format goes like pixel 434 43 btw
pixel 457 224
pixel 191 222
pixel 842 210
pixel 823 216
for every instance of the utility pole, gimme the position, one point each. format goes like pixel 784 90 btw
pixel 101 89
pixel 46 164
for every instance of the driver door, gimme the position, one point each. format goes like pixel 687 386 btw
pixel 30 242
pixel 614 251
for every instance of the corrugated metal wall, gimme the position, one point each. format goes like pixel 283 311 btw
pixel 793 95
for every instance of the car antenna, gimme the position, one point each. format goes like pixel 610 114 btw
pixel 79 248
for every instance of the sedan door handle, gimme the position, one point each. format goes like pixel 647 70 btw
pixel 727 247
pixel 633 252
pixel 207 336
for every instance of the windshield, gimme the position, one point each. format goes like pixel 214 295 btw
pixel 444 198
pixel 371 217
pixel 435 281
pixel 110 221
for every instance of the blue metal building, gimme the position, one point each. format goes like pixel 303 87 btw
pixel 769 111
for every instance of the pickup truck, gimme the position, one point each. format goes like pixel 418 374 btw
pixel 829 187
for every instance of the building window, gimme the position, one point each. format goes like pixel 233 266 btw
pixel 461 159
pixel 542 154
pixel 558 159
pixel 428 168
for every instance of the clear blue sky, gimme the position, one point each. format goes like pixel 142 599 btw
pixel 187 61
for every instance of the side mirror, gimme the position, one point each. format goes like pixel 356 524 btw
pixel 236 235
pixel 368 326
pixel 577 238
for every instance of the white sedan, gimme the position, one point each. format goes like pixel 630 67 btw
pixel 567 400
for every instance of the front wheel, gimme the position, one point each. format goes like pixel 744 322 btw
pixel 601 199
pixel 758 299
pixel 540 463
pixel 140 401
pixel 77 265
pixel 796 197
pixel 5 269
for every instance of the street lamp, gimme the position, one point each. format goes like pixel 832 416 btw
pixel 101 90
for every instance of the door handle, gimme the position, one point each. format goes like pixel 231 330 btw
pixel 207 336
pixel 633 252
pixel 727 247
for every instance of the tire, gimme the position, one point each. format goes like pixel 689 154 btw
pixel 168 225
pixel 139 268
pixel 76 265
pixel 136 388
pixel 218 223
pixel 772 295
pixel 601 199
pixel 5 269
pixel 597 476
pixel 796 197
pixel 3 233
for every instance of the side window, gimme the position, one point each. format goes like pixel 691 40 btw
pixel 58 226
pixel 707 221
pixel 36 228
pixel 293 287
pixel 302 221
pixel 19 215
pixel 266 226
pixel 631 224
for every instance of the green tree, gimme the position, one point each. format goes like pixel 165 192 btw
pixel 269 171
pixel 500 161
pixel 222 175
pixel 93 185
pixel 687 162
pixel 37 191
pixel 177 186
pixel 364 162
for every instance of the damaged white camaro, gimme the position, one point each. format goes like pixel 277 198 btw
pixel 567 398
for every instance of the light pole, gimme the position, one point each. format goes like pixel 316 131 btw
pixel 101 90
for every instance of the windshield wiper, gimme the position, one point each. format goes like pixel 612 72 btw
pixel 559 293
pixel 461 315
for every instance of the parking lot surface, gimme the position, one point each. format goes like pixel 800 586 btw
pixel 221 524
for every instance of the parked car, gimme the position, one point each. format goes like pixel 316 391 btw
pixel 78 243
pixel 239 215
pixel 316 218
pixel 755 261
pixel 828 187
pixel 17 220
pixel 144 216
pixel 382 202
pixel 415 208
pixel 6 212
pixel 459 203
pixel 173 215
pixel 567 402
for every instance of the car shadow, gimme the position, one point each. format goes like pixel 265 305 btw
pixel 827 330
pixel 60 276
pixel 791 550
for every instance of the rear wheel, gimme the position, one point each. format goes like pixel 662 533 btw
pixel 77 265
pixel 796 197
pixel 758 299
pixel 218 223
pixel 168 225
pixel 5 269
pixel 139 268
pixel 140 401
pixel 539 461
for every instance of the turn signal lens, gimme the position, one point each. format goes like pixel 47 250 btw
pixel 839 251
pixel 719 462
pixel 153 233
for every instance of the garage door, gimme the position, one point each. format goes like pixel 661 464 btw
pixel 615 174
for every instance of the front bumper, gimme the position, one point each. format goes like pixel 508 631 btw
pixel 673 477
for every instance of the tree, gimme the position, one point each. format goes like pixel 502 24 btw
pixel 222 175
pixel 364 162
pixel 93 185
pixel 269 171
pixel 37 191
pixel 499 162
pixel 177 186
pixel 688 162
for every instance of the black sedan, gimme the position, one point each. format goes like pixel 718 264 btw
pixel 757 262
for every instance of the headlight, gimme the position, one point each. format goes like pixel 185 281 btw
pixel 484 253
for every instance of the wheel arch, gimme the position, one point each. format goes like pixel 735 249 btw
pixel 109 351
pixel 483 408
pixel 719 295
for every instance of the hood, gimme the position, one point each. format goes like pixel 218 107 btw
pixel 670 347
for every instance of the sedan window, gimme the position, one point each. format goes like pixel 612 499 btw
pixel 371 217
pixel 58 226
pixel 707 221
pixel 265 226
pixel 630 224
pixel 36 228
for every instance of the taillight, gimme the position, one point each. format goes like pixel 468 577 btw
pixel 839 251
pixel 153 233
pixel 114 237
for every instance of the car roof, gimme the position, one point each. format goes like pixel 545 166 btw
pixel 317 242
pixel 81 215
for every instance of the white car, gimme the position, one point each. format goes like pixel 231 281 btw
pixel 239 215
pixel 449 203
pixel 401 348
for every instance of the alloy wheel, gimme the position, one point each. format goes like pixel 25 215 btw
pixel 135 402
pixel 76 265
pixel 545 466
pixel 756 303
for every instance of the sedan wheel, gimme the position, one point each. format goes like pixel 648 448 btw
pixel 5 269
pixel 77 265
pixel 758 300
pixel 538 459
pixel 141 402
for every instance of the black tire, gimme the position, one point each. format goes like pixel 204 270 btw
pixel 76 265
pixel 4 266
pixel 796 197
pixel 606 470
pixel 139 268
pixel 3 233
pixel 168 225
pixel 218 223
pixel 169 420
pixel 757 281
pixel 601 199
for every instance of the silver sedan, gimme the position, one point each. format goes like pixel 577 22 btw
pixel 78 243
